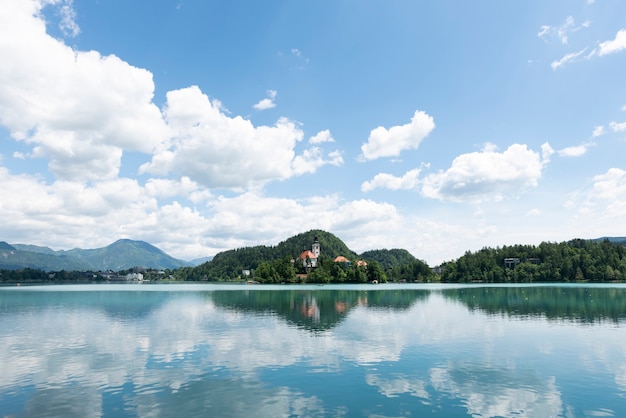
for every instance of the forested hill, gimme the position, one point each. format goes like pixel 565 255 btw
pixel 229 264
pixel 273 264
pixel 575 260
pixel 389 258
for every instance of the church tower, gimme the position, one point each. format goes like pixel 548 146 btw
pixel 315 248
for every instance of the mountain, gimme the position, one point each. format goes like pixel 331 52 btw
pixel 201 260
pixel 121 255
pixel 15 258
pixel 36 249
pixel 124 254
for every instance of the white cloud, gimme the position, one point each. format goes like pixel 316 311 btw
pixel 615 45
pixel 534 212
pixel 568 58
pixel 604 203
pixel 562 31
pixel 216 150
pixel 488 176
pixel 408 181
pixel 68 18
pixel 598 131
pixel 268 102
pixel 604 48
pixel 611 185
pixel 78 109
pixel 391 142
pixel 321 137
pixel 618 127
pixel 575 151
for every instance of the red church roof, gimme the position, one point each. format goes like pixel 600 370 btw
pixel 307 253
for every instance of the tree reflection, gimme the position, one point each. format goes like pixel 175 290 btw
pixel 316 310
pixel 577 304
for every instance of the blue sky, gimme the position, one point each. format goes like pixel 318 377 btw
pixel 201 126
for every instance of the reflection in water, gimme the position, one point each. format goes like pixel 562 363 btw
pixel 573 303
pixel 334 351
pixel 317 310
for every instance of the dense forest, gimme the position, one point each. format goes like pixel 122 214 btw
pixel 575 260
pixel 281 263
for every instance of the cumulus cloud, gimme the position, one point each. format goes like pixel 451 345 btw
pixel 321 137
pixel 220 151
pixel 604 203
pixel 575 151
pixel 488 175
pixel 614 45
pixel 408 181
pixel 268 102
pixel 78 109
pixel 391 142
pixel 610 185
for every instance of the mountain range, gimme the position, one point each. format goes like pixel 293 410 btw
pixel 123 254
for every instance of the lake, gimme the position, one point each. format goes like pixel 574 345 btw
pixel 313 351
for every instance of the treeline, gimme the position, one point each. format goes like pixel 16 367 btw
pixel 30 275
pixel 575 260
pixel 328 271
pixel 261 265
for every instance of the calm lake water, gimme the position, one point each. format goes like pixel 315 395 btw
pixel 311 351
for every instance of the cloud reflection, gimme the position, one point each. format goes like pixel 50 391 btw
pixel 185 353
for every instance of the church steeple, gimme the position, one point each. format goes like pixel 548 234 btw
pixel 315 248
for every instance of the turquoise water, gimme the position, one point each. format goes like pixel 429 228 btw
pixel 314 351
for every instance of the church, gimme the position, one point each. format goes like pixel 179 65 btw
pixel 309 257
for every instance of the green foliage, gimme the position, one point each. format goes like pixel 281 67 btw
pixel 29 275
pixel 281 264
pixel 575 260
pixel 330 244
pixel 274 262
pixel 389 258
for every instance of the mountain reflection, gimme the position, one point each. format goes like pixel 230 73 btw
pixel 577 304
pixel 316 310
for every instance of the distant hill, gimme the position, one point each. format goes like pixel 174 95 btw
pixel 201 260
pixel 14 258
pixel 121 255
pixel 614 240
